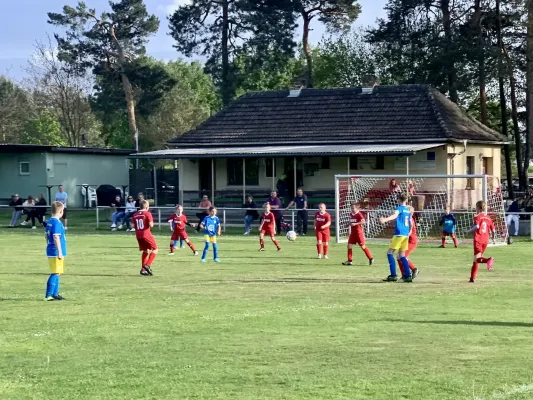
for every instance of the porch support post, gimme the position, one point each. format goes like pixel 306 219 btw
pixel 181 174
pixel 213 181
pixel 295 175
pixel 244 180
pixel 273 173
pixel 348 164
pixel 155 183
pixel 407 165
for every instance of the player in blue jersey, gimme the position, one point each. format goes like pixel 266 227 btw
pixel 56 251
pixel 400 240
pixel 211 227
pixel 448 224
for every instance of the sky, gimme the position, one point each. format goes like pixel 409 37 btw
pixel 25 21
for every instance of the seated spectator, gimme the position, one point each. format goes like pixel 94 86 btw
pixel 38 212
pixel 205 204
pixel 15 202
pixel 131 208
pixel 251 214
pixel 118 214
pixel 27 209
pixel 394 187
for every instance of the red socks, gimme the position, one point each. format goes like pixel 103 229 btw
pixel 350 254
pixel 191 246
pixel 172 248
pixel 411 265
pixel 276 243
pixel 473 272
pixel 319 248
pixel 326 247
pixel 444 241
pixel 144 258
pixel 262 243
pixel 454 238
pixel 367 253
pixel 151 259
pixel 482 260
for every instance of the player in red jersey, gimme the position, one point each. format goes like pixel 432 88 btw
pixel 483 229
pixel 322 224
pixel 177 222
pixel 357 234
pixel 143 222
pixel 267 227
pixel 413 244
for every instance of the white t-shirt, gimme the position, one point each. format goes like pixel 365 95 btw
pixel 62 197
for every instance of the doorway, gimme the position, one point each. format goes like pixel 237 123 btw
pixel 205 175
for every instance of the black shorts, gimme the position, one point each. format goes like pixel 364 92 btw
pixel 64 213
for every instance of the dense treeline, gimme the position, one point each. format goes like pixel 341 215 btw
pixel 94 83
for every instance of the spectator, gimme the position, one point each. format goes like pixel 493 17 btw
pixel 394 187
pixel 118 214
pixel 131 208
pixel 16 202
pixel 38 212
pixel 140 197
pixel 205 204
pixel 302 216
pixel 275 205
pixel 62 197
pixel 251 214
pixel 512 216
pixel 28 209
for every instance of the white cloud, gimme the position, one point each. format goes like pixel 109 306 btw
pixel 170 8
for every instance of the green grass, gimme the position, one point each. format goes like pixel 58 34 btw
pixel 261 325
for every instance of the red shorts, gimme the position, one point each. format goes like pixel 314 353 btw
pixel 480 247
pixel 179 235
pixel 268 232
pixel 356 239
pixel 323 236
pixel 412 246
pixel 147 243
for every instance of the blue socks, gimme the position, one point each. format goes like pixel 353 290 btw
pixel 405 263
pixel 215 251
pixel 52 285
pixel 206 247
pixel 392 264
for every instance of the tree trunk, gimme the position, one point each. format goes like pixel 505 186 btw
pixel 516 128
pixel 503 102
pixel 225 84
pixel 307 50
pixel 529 87
pixel 478 29
pixel 451 73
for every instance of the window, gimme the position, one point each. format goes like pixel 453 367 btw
pixel 270 164
pixel 234 171
pixel 470 171
pixel 24 168
pixel 363 163
pixel 324 163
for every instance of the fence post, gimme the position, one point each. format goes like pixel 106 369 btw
pixel 292 217
pixel 159 217
pixel 224 220
pixel 97 218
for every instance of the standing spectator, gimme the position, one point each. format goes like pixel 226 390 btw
pixel 38 212
pixel 28 205
pixel 140 197
pixel 394 187
pixel 275 205
pixel 16 202
pixel 204 206
pixel 131 208
pixel 62 197
pixel 118 214
pixel 281 187
pixel 302 217
pixel 251 214
pixel 512 216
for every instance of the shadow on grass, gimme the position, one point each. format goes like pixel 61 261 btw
pixel 474 323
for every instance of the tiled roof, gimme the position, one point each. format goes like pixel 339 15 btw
pixel 404 113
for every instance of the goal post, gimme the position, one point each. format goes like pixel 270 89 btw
pixel 428 194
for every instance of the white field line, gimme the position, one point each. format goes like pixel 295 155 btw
pixel 506 394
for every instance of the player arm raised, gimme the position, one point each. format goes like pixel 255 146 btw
pixel 384 220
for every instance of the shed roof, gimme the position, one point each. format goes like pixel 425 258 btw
pixel 35 148
pixel 389 114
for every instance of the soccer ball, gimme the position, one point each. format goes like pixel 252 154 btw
pixel 291 235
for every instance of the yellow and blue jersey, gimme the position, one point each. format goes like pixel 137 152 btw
pixel 211 225
pixel 54 227
pixel 403 221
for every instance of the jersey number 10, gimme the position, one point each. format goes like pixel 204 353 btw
pixel 140 224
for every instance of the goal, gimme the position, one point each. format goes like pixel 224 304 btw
pixel 428 194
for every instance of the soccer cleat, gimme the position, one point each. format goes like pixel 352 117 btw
pixel 58 297
pixel 471 281
pixel 147 269
pixel 319 256
pixel 261 249
pixel 143 272
pixel 490 262
pixel 279 248
pixel 442 247
pixel 407 279
pixel 217 260
pixel 371 261
pixel 391 278
pixel 33 227
pixel 195 253
pixel 326 258
pixel 171 253
pixel 349 262
pixel 49 298
pixel 203 260
pixel 415 273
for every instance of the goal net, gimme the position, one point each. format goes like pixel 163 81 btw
pixel 428 194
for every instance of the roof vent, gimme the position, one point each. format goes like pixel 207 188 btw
pixel 295 92
pixel 369 83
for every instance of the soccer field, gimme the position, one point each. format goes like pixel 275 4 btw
pixel 262 325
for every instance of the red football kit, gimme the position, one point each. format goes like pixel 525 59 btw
pixel 141 222
pixel 357 235
pixel 413 238
pixel 484 226
pixel 321 220
pixel 269 224
pixel 179 226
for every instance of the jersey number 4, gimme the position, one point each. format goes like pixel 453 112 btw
pixel 140 224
